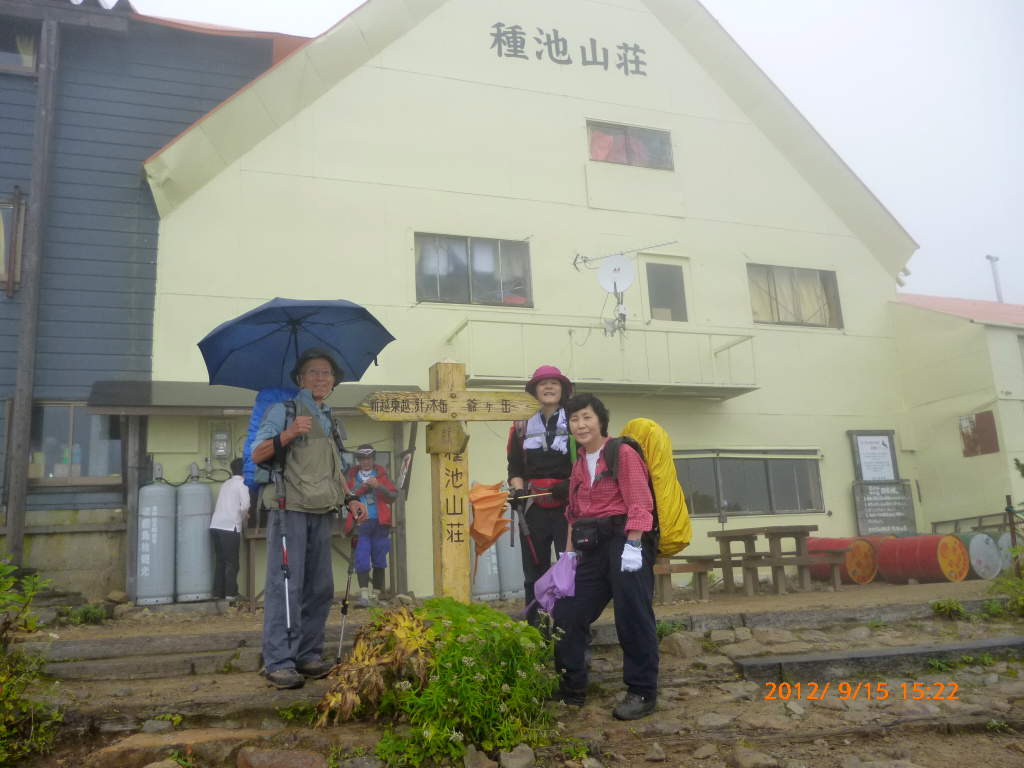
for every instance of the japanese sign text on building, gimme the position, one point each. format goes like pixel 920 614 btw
pixel 513 42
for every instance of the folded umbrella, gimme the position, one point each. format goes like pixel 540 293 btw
pixel 487 502
pixel 259 349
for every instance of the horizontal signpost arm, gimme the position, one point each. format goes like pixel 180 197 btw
pixel 459 405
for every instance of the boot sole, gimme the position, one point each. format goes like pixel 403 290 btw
pixel 638 716
pixel 287 686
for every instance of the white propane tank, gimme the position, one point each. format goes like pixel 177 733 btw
pixel 486 585
pixel 194 555
pixel 510 564
pixel 154 570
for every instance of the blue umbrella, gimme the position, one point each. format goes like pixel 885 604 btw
pixel 259 349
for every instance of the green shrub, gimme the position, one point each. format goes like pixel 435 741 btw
pixel 473 677
pixel 26 726
pixel 86 614
pixel 299 713
pixel 949 609
pixel 666 628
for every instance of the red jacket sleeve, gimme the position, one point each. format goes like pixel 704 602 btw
pixel 636 493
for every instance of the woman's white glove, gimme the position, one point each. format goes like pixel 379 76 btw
pixel 632 557
pixel 571 555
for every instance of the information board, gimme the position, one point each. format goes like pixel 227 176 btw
pixel 875 452
pixel 884 508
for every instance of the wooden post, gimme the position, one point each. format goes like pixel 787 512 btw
pixel 31 271
pixel 131 505
pixel 449 485
pixel 399 555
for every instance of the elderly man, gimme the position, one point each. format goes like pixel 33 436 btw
pixel 314 486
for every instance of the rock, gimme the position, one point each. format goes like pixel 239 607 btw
pixel 363 761
pixel 591 734
pixel 716 662
pixel 990 679
pixel 117 596
pixel 911 707
pixel 713 720
pixel 269 725
pixel 660 727
pixel 520 757
pixel 814 636
pixel 209 745
pixel 742 691
pixel 857 633
pixel 703 753
pixel 474 759
pixel 744 649
pixel 748 758
pixel 590 762
pixel 404 599
pixel 850 762
pixel 669 694
pixel 998 668
pixel 963 629
pixel 772 635
pixel 794 764
pixel 762 722
pixel 742 634
pixel 794 647
pixel 610 757
pixel 859 718
pixel 251 757
pixel 163 764
pixel 655 753
pixel 723 636
pixel 157 726
pixel 120 693
pixel 680 645
pixel 832 703
pixel 796 709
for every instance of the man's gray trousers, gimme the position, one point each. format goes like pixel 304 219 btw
pixel 310 590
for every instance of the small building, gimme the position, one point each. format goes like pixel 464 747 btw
pixel 86 95
pixel 961 368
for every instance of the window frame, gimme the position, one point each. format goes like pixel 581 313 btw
pixel 833 283
pixel 528 304
pixel 35 31
pixel 765 456
pixel 591 124
pixel 11 251
pixel 80 481
pixel 648 308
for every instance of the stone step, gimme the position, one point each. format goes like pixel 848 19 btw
pixel 845 665
pixel 150 667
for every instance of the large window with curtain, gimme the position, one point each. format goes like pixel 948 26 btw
pixel 473 270
pixel 72 447
pixel 19 44
pixel 628 145
pixel 791 296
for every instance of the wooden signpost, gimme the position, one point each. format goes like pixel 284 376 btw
pixel 445 408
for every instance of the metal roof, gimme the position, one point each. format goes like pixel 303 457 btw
pixel 972 309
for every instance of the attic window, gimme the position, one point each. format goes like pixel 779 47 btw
pixel 19 44
pixel 628 145
pixel 789 296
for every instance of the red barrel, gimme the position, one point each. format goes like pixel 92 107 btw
pixel 860 565
pixel 924 558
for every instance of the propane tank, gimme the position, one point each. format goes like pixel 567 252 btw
pixel 154 572
pixel 510 565
pixel 194 554
pixel 485 587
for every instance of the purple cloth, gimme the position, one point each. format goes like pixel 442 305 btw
pixel 559 581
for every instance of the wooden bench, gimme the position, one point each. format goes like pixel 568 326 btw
pixel 778 562
pixel 663 570
pixel 715 561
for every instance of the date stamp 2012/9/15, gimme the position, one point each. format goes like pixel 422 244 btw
pixel 847 691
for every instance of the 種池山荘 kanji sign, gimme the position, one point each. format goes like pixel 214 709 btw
pixel 511 42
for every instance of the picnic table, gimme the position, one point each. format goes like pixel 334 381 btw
pixel 750 559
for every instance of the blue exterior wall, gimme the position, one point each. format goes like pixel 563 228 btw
pixel 120 98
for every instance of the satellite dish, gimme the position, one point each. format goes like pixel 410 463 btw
pixel 616 274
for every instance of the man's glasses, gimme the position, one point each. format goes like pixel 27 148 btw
pixel 319 373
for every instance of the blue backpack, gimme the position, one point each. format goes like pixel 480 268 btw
pixel 255 476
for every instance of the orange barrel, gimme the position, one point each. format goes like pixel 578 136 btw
pixel 940 557
pixel 983 551
pixel 860 565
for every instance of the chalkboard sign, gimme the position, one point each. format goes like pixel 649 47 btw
pixel 884 508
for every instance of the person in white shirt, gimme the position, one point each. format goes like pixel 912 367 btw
pixel 226 528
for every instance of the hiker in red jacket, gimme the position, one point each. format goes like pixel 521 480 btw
pixel 370 482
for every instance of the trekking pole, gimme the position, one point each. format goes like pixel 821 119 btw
pixel 283 521
pixel 348 586
pixel 525 529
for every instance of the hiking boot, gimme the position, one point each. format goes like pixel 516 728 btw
pixel 570 696
pixel 316 669
pixel 363 602
pixel 588 658
pixel 285 679
pixel 633 707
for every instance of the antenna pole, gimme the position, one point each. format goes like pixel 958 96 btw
pixel 995 278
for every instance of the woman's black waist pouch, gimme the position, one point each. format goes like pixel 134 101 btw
pixel 589 532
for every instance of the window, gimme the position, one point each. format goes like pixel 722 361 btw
pixel 789 296
pixel 665 292
pixel 72 447
pixel 12 233
pixel 627 145
pixel 18 46
pixel 473 270
pixel 728 485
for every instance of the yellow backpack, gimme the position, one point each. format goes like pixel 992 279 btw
pixel 673 519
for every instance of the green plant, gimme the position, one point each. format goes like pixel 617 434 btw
pixel 994 609
pixel 334 758
pixel 472 677
pixel 298 712
pixel 987 659
pixel 574 749
pixel 359 751
pixel 949 609
pixel 938 665
pixel 709 646
pixel 1013 588
pixel 967 659
pixel 876 623
pixel 86 614
pixel 27 726
pixel 184 760
pixel 666 628
pixel 174 720
pixel 999 726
